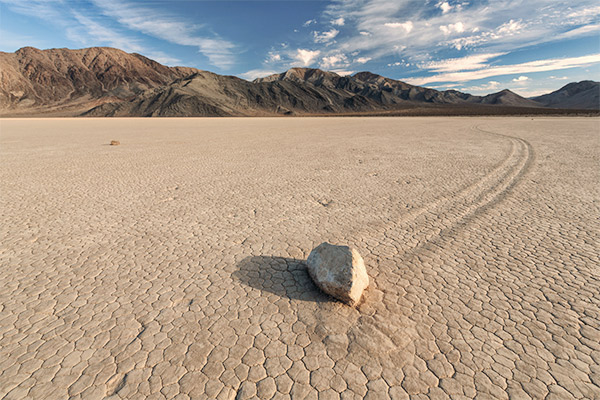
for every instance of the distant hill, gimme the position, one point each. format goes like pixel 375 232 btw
pixel 508 98
pixel 579 95
pixel 102 81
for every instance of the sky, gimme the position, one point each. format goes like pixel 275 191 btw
pixel 528 46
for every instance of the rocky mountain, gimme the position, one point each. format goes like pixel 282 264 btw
pixel 508 98
pixel 579 95
pixel 102 81
pixel 381 90
pixel 296 91
pixel 32 79
pixel 208 94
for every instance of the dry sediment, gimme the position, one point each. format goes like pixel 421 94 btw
pixel 174 265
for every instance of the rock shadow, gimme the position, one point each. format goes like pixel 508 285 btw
pixel 285 277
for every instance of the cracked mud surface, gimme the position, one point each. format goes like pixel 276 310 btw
pixel 172 266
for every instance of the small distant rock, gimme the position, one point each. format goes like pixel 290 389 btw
pixel 114 143
pixel 338 271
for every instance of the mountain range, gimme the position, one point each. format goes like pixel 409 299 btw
pixel 102 81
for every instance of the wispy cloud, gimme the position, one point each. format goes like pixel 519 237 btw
pixel 485 88
pixel 522 68
pixel 324 37
pixel 476 61
pixel 101 34
pixel 83 29
pixel 80 27
pixel 256 73
pixel 220 52
pixel 49 10
pixel 343 72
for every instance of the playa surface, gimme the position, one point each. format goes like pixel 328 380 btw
pixel 171 266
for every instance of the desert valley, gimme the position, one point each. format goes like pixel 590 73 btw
pixel 307 234
pixel 174 264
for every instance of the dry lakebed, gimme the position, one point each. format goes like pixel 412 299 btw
pixel 173 265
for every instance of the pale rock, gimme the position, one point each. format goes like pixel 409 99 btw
pixel 338 271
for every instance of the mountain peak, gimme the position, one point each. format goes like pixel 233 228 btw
pixel 367 76
pixel 299 74
pixel 584 94
pixel 508 98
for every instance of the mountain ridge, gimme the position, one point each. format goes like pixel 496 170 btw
pixel 573 95
pixel 103 81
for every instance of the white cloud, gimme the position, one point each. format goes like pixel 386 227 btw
pixel 342 72
pixel 323 37
pixel 362 60
pixel 444 6
pixel 339 21
pixel 306 57
pixel 407 26
pixel 521 78
pixel 256 73
pixel 273 57
pixel 458 27
pixel 309 22
pixel 491 85
pixel 527 67
pixel 476 61
pixel 334 60
pixel 510 27
pixel 480 27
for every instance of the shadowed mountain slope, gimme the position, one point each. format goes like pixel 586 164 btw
pixel 584 94
pixel 508 98
pixel 208 94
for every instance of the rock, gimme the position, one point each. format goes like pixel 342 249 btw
pixel 338 271
pixel 114 143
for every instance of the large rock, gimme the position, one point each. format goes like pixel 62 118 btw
pixel 338 271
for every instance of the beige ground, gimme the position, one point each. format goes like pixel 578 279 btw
pixel 171 265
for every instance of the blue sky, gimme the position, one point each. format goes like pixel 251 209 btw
pixel 477 46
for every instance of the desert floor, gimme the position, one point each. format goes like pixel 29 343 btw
pixel 171 266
